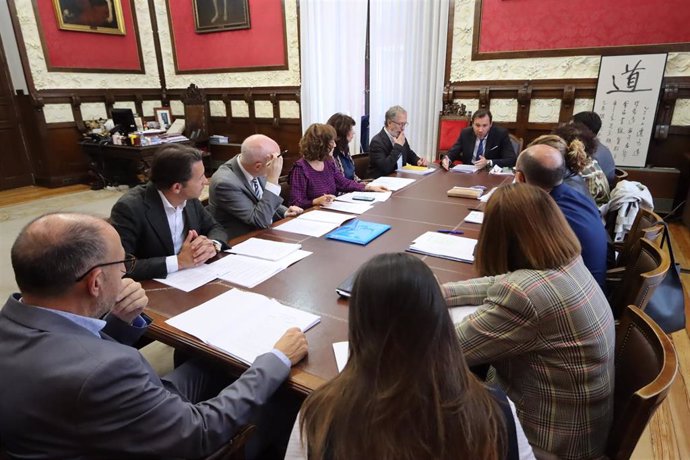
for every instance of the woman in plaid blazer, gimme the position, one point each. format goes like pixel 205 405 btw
pixel 544 324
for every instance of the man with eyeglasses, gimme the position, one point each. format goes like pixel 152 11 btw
pixel 163 223
pixel 244 194
pixel 482 144
pixel 71 385
pixel 389 149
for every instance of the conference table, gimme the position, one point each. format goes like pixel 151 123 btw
pixel 310 283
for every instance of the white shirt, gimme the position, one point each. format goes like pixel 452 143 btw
pixel 270 187
pixel 176 225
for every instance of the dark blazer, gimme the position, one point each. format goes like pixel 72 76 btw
pixel 234 205
pixel 67 393
pixel 497 147
pixel 139 218
pixel 384 154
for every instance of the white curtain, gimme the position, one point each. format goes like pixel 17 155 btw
pixel 407 40
pixel 332 48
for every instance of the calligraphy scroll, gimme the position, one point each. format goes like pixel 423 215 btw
pixel 626 100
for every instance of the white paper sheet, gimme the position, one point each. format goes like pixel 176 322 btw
pixel 351 208
pixel 352 197
pixel 264 249
pixel 446 246
pixel 247 271
pixel 306 227
pixel 326 216
pixel 393 183
pixel 484 198
pixel 341 350
pixel 475 217
pixel 190 279
pixel 242 324
pixel 467 169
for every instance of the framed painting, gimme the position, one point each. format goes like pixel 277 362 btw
pixel 220 15
pixel 163 116
pixel 98 16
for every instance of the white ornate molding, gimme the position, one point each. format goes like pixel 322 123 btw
pixel 504 110
pixel 544 110
pixel 681 113
pixel 57 113
pixel 289 109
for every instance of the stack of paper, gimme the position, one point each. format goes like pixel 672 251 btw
pixel 242 324
pixel 352 208
pixel 475 217
pixel 315 223
pixel 420 170
pixel 486 196
pixel 445 246
pixel 248 272
pixel 264 249
pixel 468 169
pixel 357 197
pixel 392 183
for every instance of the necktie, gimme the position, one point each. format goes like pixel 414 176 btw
pixel 480 149
pixel 257 188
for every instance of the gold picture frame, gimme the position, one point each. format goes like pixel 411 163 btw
pixel 220 15
pixel 96 16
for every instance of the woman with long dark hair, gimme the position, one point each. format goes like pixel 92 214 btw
pixel 406 391
pixel 344 126
pixel 543 324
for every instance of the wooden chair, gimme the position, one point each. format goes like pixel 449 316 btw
pixel 452 119
pixel 517 143
pixel 284 189
pixel 648 225
pixel 645 270
pixel 361 161
pixel 646 365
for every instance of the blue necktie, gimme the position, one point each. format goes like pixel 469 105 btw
pixel 257 188
pixel 480 149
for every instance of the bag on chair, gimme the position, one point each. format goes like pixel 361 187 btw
pixel 667 304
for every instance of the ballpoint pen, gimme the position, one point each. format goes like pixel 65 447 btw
pixel 451 232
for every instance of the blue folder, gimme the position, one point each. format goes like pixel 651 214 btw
pixel 358 232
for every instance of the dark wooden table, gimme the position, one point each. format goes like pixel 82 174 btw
pixel 310 283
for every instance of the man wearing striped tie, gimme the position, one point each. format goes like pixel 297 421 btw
pixel 244 194
pixel 483 144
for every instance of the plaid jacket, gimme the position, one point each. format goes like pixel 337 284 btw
pixel 549 336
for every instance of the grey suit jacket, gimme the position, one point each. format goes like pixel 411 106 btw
pixel 139 218
pixel 67 393
pixel 233 204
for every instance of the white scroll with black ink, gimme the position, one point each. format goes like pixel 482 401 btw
pixel 626 100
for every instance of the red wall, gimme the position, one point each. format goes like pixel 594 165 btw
pixel 89 50
pixel 521 25
pixel 261 45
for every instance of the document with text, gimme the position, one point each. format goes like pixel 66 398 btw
pixel 242 324
pixel 264 249
pixel 392 183
pixel 445 246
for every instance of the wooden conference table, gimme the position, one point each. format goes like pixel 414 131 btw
pixel 310 283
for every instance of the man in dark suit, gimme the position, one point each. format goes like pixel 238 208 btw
pixel 163 223
pixel 71 385
pixel 482 144
pixel 244 194
pixel 389 149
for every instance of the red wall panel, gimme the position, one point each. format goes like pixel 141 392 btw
pixel 87 50
pixel 523 25
pixel 263 45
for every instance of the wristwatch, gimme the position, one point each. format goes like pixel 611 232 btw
pixel 217 245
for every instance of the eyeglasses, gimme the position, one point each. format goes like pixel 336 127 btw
pixel 129 262
pixel 402 125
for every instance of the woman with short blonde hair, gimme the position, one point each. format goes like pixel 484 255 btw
pixel 543 323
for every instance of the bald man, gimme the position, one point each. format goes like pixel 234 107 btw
pixel 71 385
pixel 544 166
pixel 244 194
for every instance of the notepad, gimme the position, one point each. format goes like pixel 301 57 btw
pixel 358 232
pixel 445 246
pixel 475 217
pixel 242 324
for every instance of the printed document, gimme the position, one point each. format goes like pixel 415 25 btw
pixel 392 183
pixel 445 246
pixel 264 249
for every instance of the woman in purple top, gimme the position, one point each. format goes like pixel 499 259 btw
pixel 315 179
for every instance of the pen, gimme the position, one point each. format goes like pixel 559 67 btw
pixel 451 232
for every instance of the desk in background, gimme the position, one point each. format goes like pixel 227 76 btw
pixel 310 283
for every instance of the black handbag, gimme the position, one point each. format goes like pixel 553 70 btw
pixel 667 304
